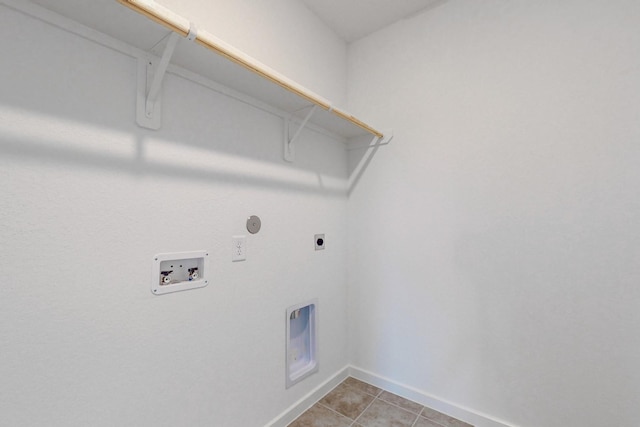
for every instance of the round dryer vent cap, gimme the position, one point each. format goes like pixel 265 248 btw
pixel 253 224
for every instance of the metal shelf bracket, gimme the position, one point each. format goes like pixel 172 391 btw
pixel 289 142
pixel 151 72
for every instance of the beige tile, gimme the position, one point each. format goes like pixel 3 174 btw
pixel 361 385
pixel 319 416
pixel 423 422
pixel 347 400
pixel 401 402
pixel 383 414
pixel 443 419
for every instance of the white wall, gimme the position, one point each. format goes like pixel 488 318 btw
pixel 283 34
pixel 88 198
pixel 495 244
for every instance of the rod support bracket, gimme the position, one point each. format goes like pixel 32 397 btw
pixel 289 141
pixel 377 141
pixel 193 32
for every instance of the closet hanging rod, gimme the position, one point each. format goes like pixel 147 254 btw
pixel 182 26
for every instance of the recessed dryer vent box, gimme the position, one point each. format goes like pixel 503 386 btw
pixel 179 271
pixel 302 359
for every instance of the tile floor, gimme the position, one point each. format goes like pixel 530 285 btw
pixel 354 403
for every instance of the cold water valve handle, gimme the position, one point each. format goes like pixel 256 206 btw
pixel 165 277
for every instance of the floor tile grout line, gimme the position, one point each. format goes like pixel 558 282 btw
pixel 420 416
pixel 352 387
pixel 375 396
pixel 380 390
pixel 364 410
pixel 428 419
pixel 378 396
pixel 404 409
pixel 434 421
pixel 334 411
pixel 389 403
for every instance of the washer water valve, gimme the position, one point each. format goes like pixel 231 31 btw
pixel 165 277
pixel 179 271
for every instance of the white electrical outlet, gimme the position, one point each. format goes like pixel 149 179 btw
pixel 238 248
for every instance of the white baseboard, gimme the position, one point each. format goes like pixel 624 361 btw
pixel 295 410
pixel 470 416
pixel 465 414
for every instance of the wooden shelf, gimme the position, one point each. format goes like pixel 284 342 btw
pixel 207 56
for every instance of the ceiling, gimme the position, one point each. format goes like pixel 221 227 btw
pixel 353 19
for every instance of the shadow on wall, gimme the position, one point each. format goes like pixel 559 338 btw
pixel 130 154
pixel 361 152
pixel 79 110
pixel 189 166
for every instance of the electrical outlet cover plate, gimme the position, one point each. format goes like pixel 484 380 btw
pixel 239 248
pixel 182 266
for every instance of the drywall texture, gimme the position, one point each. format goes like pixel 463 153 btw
pixel 283 34
pixel 88 198
pixel 495 245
